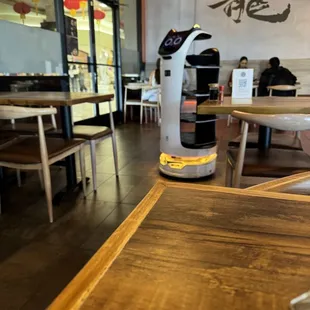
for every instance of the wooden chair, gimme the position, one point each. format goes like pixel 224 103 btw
pixel 298 184
pixel 143 104
pixel 283 88
pixel 38 152
pixel 94 135
pixel 272 163
pixel 151 106
pixel 255 90
pixel 133 102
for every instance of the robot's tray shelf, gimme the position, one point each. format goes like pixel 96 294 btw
pixel 188 141
pixel 194 93
pixel 202 67
pixel 192 118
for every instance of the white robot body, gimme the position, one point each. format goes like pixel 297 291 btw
pixel 177 160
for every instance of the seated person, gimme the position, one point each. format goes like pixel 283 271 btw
pixel 243 64
pixel 152 95
pixel 276 75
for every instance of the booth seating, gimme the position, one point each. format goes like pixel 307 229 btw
pixel 39 152
pixel 272 163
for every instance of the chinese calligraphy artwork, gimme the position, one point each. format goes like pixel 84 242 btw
pixel 253 8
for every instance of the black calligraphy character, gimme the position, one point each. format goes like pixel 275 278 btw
pixel 232 5
pixel 255 6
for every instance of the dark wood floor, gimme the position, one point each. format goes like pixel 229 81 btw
pixel 38 259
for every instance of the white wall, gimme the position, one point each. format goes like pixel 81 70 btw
pixel 29 49
pixel 255 39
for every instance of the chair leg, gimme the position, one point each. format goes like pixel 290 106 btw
pixel 82 167
pixel 229 120
pixel 159 115
pixel 48 191
pixel 151 114
pixel 229 174
pixel 240 158
pixel 141 114
pixel 125 105
pixel 242 127
pixel 115 153
pixel 298 135
pixel 125 113
pixel 18 177
pixel 41 179
pixel 93 163
pixel 145 114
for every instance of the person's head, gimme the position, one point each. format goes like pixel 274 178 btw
pixel 157 71
pixel 243 62
pixel 274 63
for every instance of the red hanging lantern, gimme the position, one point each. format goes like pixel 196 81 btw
pixel 99 15
pixel 83 5
pixel 22 9
pixel 72 5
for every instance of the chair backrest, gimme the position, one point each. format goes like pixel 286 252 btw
pixel 15 112
pixel 134 86
pixel 287 122
pixel 283 88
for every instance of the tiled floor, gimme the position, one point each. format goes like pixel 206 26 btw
pixel 38 259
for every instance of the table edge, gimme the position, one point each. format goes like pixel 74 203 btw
pixel 79 289
pixel 57 102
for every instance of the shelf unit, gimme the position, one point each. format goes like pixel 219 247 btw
pixel 204 125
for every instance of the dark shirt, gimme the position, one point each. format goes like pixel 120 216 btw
pixel 278 76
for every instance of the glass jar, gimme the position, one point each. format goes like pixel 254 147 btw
pixel 214 92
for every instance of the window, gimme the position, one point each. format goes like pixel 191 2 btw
pixel 37 13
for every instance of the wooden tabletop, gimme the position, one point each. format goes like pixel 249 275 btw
pixel 200 247
pixel 52 98
pixel 263 105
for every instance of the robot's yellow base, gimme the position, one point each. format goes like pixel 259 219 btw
pixel 187 167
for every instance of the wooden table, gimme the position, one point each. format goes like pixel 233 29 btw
pixel 259 105
pixel 263 105
pixel 64 100
pixel 189 246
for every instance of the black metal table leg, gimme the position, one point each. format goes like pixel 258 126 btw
pixel 66 121
pixel 264 137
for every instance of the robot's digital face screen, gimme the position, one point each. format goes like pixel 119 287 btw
pixel 173 42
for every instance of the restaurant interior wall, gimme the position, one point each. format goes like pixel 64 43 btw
pixel 240 34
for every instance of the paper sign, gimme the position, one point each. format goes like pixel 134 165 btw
pixel 242 83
